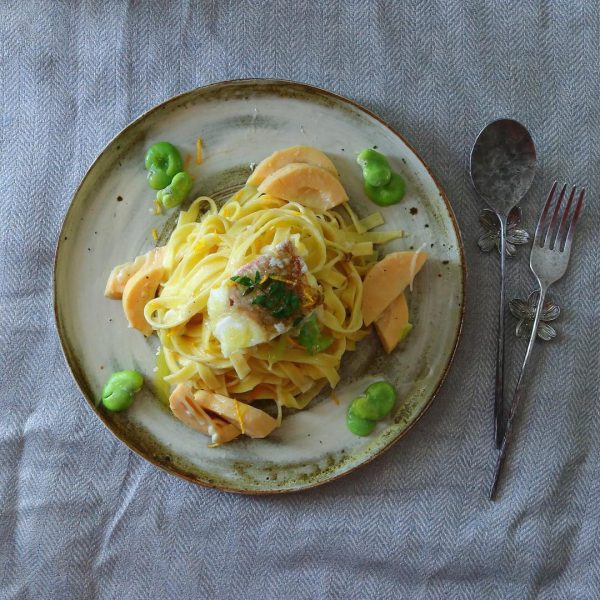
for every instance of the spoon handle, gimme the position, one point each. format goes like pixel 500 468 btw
pixel 499 388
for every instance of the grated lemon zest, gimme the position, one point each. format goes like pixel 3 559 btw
pixel 199 151
pixel 282 279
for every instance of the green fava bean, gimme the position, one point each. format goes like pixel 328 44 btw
pixel 117 399
pixel 357 425
pixel 390 193
pixel 375 167
pixel 381 397
pixel 177 191
pixel 163 162
pixel 119 390
pixel 364 408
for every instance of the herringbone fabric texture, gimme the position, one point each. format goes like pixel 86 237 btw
pixel 82 517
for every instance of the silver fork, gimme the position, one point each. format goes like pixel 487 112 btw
pixel 549 260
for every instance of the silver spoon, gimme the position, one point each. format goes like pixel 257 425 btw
pixel 502 168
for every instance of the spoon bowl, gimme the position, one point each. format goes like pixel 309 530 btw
pixel 503 162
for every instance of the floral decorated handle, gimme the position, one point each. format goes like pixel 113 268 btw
pixel 490 239
pixel 524 311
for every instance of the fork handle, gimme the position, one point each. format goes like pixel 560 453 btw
pixel 499 386
pixel 518 392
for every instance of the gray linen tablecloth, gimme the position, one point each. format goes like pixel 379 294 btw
pixel 83 517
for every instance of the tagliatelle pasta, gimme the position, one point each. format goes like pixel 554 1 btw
pixel 200 256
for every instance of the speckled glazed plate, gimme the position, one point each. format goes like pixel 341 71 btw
pixel 110 222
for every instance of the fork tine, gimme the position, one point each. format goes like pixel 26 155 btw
pixel 555 215
pixel 537 240
pixel 571 233
pixel 564 222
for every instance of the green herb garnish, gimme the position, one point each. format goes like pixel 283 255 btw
pixel 272 295
pixel 249 283
pixel 311 338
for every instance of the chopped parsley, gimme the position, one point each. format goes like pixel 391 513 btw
pixel 249 283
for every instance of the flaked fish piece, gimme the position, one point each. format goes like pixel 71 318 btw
pixel 238 318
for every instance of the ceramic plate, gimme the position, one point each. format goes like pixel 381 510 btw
pixel 110 222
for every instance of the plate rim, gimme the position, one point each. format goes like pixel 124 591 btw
pixel 88 396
